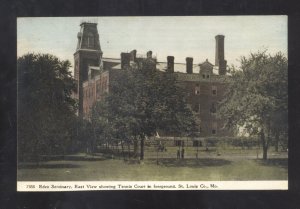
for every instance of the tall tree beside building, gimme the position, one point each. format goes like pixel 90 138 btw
pixel 144 100
pixel 46 110
pixel 257 97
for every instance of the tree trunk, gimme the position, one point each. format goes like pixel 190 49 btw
pixel 118 151
pixel 197 149
pixel 94 141
pixel 142 147
pixel 276 141
pixel 157 155
pixel 122 150
pixel 265 153
pixel 35 155
pixel 128 150
pixel 135 147
pixel 264 145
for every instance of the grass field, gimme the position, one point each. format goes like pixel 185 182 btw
pixel 208 167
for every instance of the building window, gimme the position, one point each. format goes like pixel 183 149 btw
pixel 214 90
pixel 90 41
pixel 197 89
pixel 213 108
pixel 199 108
pixel 205 76
pixel 214 128
pixel 196 108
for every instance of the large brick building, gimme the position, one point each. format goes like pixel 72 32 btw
pixel 204 83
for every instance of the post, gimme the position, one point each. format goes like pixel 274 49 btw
pixel 197 148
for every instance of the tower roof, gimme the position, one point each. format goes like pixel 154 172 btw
pixel 88 37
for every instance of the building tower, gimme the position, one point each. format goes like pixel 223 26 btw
pixel 220 61
pixel 88 53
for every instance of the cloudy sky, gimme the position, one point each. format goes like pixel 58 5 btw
pixel 181 37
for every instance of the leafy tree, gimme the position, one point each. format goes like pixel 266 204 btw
pixel 143 100
pixel 257 97
pixel 101 123
pixel 46 109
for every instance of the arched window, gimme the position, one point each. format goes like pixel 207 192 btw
pixel 90 40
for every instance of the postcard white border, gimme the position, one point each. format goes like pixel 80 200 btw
pixel 54 186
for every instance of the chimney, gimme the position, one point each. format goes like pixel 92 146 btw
pixel 189 65
pixel 220 61
pixel 149 54
pixel 170 61
pixel 133 55
pixel 125 60
pixel 222 67
pixel 219 49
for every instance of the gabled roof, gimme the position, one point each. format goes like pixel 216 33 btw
pixel 206 62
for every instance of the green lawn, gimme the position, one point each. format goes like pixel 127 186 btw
pixel 215 168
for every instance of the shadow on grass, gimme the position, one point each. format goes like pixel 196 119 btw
pixel 74 158
pixel 48 166
pixel 193 163
pixel 278 162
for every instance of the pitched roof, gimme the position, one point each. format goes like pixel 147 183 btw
pixel 206 62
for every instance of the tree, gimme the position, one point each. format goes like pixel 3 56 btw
pixel 46 109
pixel 257 97
pixel 143 100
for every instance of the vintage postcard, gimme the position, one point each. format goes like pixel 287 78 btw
pixel 152 103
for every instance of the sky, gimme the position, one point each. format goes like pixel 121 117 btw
pixel 181 37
